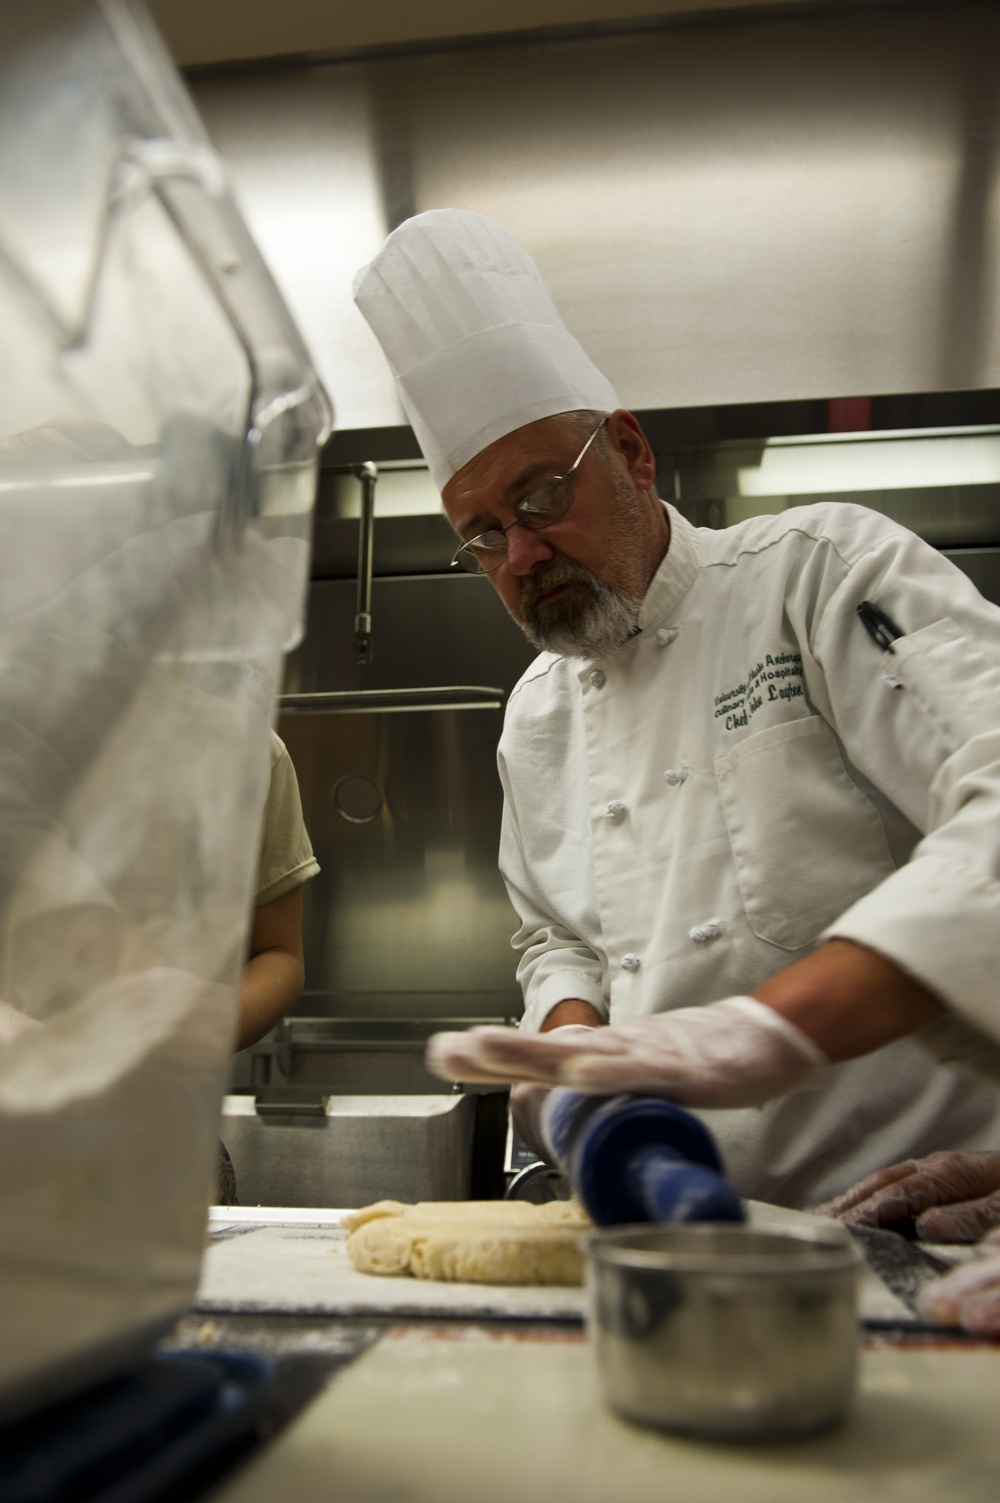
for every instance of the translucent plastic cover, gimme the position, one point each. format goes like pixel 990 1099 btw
pixel 159 423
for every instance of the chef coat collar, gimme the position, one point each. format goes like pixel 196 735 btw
pixel 676 573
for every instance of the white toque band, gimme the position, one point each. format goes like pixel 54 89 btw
pixel 472 335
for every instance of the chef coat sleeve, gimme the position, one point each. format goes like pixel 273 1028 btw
pixel 555 963
pixel 923 724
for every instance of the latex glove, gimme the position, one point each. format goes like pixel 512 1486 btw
pixel 955 1197
pixel 732 1053
pixel 526 1101
pixel 968 1296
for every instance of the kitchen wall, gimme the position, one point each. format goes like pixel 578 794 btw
pixel 747 207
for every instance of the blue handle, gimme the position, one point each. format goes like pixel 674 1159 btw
pixel 635 1159
pixel 671 1188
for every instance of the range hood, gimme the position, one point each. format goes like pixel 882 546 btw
pixel 755 207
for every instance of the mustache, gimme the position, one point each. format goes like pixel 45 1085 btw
pixel 540 581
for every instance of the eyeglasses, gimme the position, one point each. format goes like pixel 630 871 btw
pixel 538 509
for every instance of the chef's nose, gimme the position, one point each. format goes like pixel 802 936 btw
pixel 525 549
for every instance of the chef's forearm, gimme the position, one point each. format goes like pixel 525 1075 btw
pixel 849 1000
pixel 572 1010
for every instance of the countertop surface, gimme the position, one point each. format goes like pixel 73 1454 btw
pixel 441 1413
pixel 396 1391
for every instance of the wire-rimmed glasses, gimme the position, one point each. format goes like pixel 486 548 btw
pixel 540 508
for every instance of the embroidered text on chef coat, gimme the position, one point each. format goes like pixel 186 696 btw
pixel 775 678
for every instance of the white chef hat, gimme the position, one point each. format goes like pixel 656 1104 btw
pixel 473 336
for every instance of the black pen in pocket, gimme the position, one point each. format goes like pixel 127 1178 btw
pixel 880 627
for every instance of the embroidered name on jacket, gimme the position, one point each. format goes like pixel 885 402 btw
pixel 777 677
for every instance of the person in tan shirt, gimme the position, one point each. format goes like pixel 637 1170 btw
pixel 274 973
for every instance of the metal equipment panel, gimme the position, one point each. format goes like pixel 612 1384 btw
pixel 350 1150
pixel 409 914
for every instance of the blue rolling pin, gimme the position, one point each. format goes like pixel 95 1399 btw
pixel 637 1158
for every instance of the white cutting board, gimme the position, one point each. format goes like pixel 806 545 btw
pixel 295 1262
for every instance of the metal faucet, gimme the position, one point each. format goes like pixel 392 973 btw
pixel 363 646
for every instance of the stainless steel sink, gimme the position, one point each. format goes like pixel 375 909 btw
pixel 302 1148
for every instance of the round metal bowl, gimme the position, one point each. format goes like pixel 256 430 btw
pixel 725 1331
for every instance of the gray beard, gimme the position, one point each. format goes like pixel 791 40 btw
pixel 591 630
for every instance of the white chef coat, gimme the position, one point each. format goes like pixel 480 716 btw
pixel 750 774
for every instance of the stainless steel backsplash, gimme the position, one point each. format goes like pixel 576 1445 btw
pixel 409 917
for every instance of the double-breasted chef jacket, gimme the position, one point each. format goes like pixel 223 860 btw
pixel 751 774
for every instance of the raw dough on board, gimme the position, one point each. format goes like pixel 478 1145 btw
pixel 470 1241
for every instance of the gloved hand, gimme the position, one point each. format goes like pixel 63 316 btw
pixel 954 1196
pixel 732 1053
pixel 968 1296
pixel 526 1101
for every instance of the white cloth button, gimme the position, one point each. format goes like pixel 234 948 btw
pixel 616 808
pixel 631 962
pixel 892 681
pixel 702 933
pixel 666 635
pixel 598 679
pixel 675 775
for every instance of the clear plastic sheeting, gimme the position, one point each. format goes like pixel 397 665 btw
pixel 159 424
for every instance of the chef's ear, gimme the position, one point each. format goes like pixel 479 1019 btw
pixel 627 437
